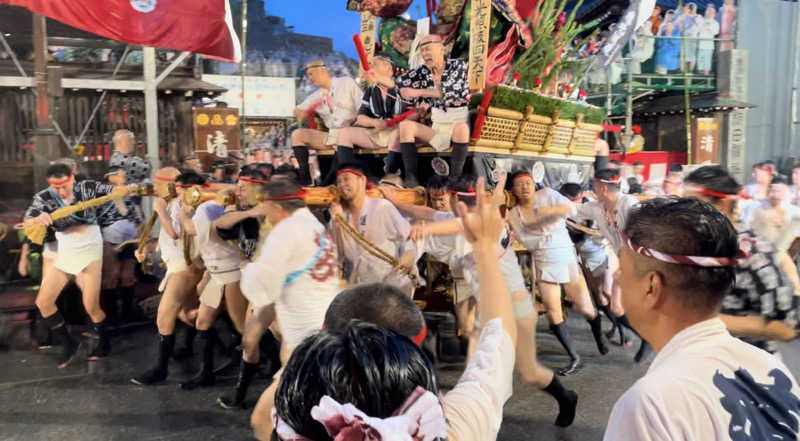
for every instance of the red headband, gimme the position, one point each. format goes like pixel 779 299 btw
pixel 711 193
pixel 206 185
pixel 164 178
pixel 469 193
pixel 421 336
pixel 354 172
pixel 766 169
pixel 521 175
pixel 55 182
pixel 704 261
pixel 614 180
pixel 301 194
pixel 253 180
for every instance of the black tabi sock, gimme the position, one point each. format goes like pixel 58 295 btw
pixel 304 170
pixel 567 402
pixel 393 162
pixel 458 157
pixel 345 154
pixel 410 160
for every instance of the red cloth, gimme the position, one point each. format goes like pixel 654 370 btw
pixel 201 26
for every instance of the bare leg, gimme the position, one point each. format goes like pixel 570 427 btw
pixel 261 419
pixel 237 305
pixel 53 282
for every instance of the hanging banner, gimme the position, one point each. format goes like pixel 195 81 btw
pixel 216 133
pixel 705 140
pixel 368 23
pixel 479 27
pixel 201 26
pixel 736 88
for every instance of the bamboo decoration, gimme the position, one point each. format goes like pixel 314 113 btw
pixel 574 138
pixel 523 126
pixel 36 231
pixel 324 196
pixel 551 131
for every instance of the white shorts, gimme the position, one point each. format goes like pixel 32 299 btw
pixel 379 137
pixel 556 265
pixel 50 250
pixel 443 123
pixel 512 273
pixel 332 138
pixel 174 266
pixel 211 295
pixel 77 250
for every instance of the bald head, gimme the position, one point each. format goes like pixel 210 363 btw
pixel 123 141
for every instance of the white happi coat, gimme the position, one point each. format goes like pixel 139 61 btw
pixel 707 385
pixel 298 272
pixel 610 226
pixel 384 226
pixel 340 103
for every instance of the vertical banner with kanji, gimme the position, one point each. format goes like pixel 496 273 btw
pixel 216 133
pixel 705 140
pixel 368 23
pixel 480 22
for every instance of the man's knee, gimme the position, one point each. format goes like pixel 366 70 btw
pixel 406 129
pixel 298 137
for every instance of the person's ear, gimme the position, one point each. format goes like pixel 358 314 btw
pixel 655 295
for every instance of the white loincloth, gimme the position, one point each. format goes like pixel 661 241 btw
pixel 443 123
pixel 380 137
pixel 50 250
pixel 556 265
pixel 77 250
pixel 332 139
pixel 211 295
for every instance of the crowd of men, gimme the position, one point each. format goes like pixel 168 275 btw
pixel 686 268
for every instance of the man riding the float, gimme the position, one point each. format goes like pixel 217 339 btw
pixel 336 101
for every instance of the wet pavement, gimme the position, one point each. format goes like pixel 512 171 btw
pixel 90 401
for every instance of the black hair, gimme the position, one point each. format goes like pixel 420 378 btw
pixel 58 171
pixel 634 187
pixel 688 227
pixel 676 168
pixel 437 182
pixel 607 174
pixel 189 177
pixel 378 303
pixel 570 190
pixel 779 179
pixel 285 187
pixel 768 163
pixel 635 163
pixel 286 171
pixel 714 178
pixel 465 184
pixel 374 369
pixel 114 169
pixel 514 175
pixel 249 171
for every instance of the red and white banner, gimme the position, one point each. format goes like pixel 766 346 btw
pixel 201 26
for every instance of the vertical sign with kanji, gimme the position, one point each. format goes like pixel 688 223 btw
pixel 705 140
pixel 216 133
pixel 480 22
pixel 368 22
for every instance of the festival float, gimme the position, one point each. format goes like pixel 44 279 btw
pixel 524 75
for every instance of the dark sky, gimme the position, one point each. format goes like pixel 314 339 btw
pixel 327 18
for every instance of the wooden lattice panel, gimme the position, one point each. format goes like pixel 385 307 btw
pixel 561 138
pixel 499 131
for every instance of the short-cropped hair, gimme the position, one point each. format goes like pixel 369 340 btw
pixel 379 303
pixel 687 227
